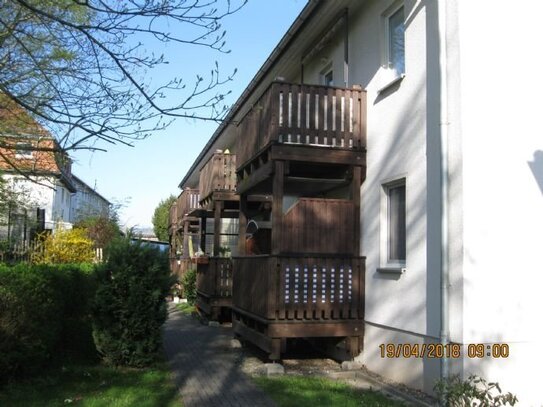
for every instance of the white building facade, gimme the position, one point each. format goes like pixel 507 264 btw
pixel 452 201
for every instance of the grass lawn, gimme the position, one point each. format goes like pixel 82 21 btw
pixel 298 391
pixel 186 308
pixel 94 385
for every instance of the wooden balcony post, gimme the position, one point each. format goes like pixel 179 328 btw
pixel 356 181
pixel 186 238
pixel 242 224
pixel 203 233
pixel 217 226
pixel 277 207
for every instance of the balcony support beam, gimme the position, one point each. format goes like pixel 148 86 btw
pixel 277 206
pixel 217 228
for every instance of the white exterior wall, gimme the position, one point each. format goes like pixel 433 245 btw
pixel 46 194
pixel 86 203
pixel 502 136
pixel 401 308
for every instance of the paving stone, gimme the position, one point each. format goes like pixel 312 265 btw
pixel 272 369
pixel 205 367
pixel 235 344
pixel 348 365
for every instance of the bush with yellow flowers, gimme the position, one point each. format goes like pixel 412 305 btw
pixel 66 246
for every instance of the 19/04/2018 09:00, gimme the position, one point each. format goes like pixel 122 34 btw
pixel 439 350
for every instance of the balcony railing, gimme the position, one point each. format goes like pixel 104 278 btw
pixel 218 174
pixel 215 278
pixel 303 114
pixel 324 288
pixel 187 201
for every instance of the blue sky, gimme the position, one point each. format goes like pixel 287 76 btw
pixel 151 170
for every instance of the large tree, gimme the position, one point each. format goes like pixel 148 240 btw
pixel 161 218
pixel 83 68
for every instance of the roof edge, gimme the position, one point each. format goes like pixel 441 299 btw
pixel 285 41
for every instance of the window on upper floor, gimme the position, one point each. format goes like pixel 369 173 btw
pixel 327 76
pixel 395 40
pixel 23 150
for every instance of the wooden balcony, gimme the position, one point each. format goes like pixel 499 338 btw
pixel 218 175
pixel 187 202
pixel 304 115
pixel 281 296
pixel 214 286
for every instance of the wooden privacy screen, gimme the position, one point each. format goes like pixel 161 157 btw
pixel 218 174
pixel 303 114
pixel 300 288
pixel 314 225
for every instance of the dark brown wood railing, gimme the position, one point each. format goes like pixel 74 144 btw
pixel 303 114
pixel 215 278
pixel 218 174
pixel 187 201
pixel 300 288
pixel 316 225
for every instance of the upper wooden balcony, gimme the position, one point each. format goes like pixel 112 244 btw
pixel 307 115
pixel 218 175
pixel 187 202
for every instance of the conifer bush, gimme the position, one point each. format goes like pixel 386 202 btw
pixel 130 307
pixel 189 286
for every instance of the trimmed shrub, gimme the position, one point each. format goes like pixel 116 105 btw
pixel 189 286
pixel 130 307
pixel 41 308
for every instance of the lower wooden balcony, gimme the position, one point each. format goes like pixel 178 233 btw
pixel 279 297
pixel 214 287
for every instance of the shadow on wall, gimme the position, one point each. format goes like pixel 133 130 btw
pixel 537 168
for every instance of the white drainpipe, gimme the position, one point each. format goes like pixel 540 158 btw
pixel 444 137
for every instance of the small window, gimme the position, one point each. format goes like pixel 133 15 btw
pixel 328 78
pixel 23 150
pixel 327 75
pixel 396 225
pixel 396 41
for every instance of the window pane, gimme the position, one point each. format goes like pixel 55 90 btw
pixel 396 39
pixel 396 223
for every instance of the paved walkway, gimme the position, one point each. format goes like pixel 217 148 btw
pixel 205 367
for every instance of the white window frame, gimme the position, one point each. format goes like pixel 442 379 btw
pixel 385 40
pixel 327 70
pixel 23 154
pixel 386 264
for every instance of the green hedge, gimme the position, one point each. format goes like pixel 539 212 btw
pixel 130 303
pixel 42 308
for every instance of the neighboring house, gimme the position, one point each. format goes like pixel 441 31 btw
pixel 37 171
pixel 451 198
pixel 86 202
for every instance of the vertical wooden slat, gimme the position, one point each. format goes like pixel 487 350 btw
pixel 321 133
